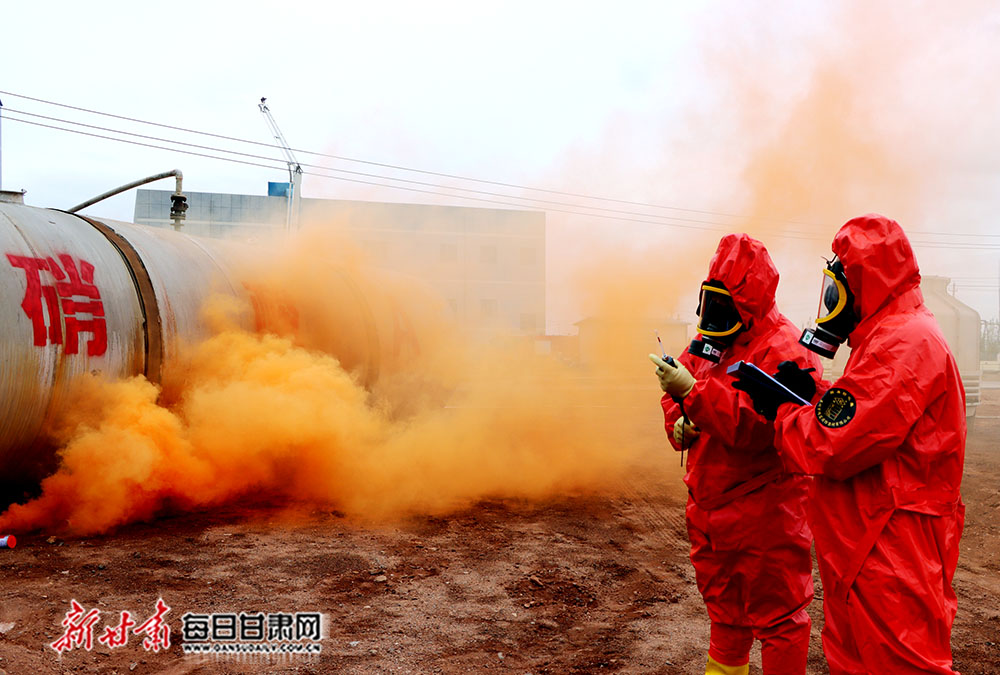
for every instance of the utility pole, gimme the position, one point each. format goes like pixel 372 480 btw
pixel 294 169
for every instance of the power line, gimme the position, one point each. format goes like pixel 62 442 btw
pixel 786 234
pixel 363 174
pixel 916 243
pixel 666 219
pixel 673 221
pixel 372 163
pixel 147 145
pixel 445 175
pixel 135 135
pixel 353 180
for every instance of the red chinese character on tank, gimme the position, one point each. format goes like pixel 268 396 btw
pixel 70 294
pixel 156 629
pixel 118 636
pixel 79 629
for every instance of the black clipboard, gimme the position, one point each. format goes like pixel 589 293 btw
pixel 742 369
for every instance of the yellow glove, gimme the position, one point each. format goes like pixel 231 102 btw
pixel 676 381
pixel 685 433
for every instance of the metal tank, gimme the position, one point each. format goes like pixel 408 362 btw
pixel 961 328
pixel 61 278
pixel 86 295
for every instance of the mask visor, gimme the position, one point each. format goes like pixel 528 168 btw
pixel 832 299
pixel 717 312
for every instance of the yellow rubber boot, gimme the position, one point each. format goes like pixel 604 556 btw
pixel 716 668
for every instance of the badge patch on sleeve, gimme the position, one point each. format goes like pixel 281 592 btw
pixel 836 408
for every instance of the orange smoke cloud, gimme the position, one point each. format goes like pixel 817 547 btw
pixel 799 118
pixel 250 413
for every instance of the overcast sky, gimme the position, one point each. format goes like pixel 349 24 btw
pixel 496 90
pixel 807 113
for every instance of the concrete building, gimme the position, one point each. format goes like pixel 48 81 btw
pixel 487 264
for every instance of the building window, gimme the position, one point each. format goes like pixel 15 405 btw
pixel 488 253
pixel 488 307
pixel 528 323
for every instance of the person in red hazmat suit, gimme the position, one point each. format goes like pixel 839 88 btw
pixel 886 444
pixel 746 517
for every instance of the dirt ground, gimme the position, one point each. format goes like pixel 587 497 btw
pixel 583 584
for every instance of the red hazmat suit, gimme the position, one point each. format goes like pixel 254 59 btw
pixel 887 456
pixel 746 517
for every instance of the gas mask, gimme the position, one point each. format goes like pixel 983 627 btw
pixel 836 317
pixel 719 322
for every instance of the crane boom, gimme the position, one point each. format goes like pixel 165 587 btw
pixel 294 168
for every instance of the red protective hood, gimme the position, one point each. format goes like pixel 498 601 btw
pixel 744 266
pixel 878 261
